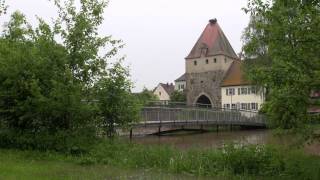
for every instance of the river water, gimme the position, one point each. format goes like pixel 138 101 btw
pixel 208 140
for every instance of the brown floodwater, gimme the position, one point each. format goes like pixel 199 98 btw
pixel 187 140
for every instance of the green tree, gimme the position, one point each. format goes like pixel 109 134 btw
pixel 281 52
pixel 146 96
pixel 47 87
pixel 38 100
pixel 118 106
pixel 3 7
pixel 178 96
pixel 79 31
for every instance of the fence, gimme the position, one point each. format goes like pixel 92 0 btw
pixel 167 115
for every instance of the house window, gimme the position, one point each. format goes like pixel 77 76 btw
pixel 253 90
pixel 215 60
pixel 207 61
pixel 254 106
pixel 159 93
pixel 233 106
pixel 243 106
pixel 244 90
pixel 226 106
pixel 239 91
pixel 195 63
pixel 231 91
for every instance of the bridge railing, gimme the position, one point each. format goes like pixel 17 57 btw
pixel 163 115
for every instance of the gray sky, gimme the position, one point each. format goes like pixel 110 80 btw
pixel 158 33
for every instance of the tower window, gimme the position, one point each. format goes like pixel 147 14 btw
pixel 215 60
pixel 207 61
pixel 225 60
pixel 195 63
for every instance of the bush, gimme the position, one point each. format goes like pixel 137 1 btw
pixel 70 142
pixel 231 160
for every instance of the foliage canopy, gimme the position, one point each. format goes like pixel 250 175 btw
pixel 281 48
pixel 53 93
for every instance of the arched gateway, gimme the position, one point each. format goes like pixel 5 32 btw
pixel 203 100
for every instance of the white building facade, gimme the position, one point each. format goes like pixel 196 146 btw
pixel 244 97
pixel 163 91
pixel 237 93
pixel 180 83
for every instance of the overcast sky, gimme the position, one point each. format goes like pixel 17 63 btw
pixel 158 33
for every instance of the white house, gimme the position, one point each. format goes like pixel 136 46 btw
pixel 163 91
pixel 238 93
pixel 180 83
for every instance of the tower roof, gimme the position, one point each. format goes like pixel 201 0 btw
pixel 212 42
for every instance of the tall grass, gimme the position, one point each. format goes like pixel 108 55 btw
pixel 232 161
pixel 254 160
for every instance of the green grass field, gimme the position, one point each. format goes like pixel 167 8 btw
pixel 28 165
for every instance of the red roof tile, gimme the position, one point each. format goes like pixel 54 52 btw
pixel 214 40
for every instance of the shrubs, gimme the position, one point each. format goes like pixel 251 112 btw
pixel 247 162
pixel 231 160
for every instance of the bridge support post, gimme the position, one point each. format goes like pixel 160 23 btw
pixel 159 130
pixel 130 133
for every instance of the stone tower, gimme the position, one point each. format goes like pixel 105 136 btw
pixel 206 66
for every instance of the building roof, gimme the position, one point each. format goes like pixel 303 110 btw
pixel 315 94
pixel 169 88
pixel 314 109
pixel 181 78
pixel 234 76
pixel 214 40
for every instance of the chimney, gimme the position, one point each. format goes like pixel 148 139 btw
pixel 213 21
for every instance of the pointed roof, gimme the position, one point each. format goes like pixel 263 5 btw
pixel 169 88
pixel 234 76
pixel 181 78
pixel 214 40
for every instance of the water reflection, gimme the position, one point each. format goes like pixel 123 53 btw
pixel 207 140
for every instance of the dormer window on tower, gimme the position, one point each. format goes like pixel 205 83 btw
pixel 204 52
pixel 207 61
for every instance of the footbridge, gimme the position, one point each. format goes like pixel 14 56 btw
pixel 168 118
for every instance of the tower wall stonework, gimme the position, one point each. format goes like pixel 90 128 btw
pixel 207 83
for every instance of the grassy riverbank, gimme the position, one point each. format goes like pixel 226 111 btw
pixel 231 161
